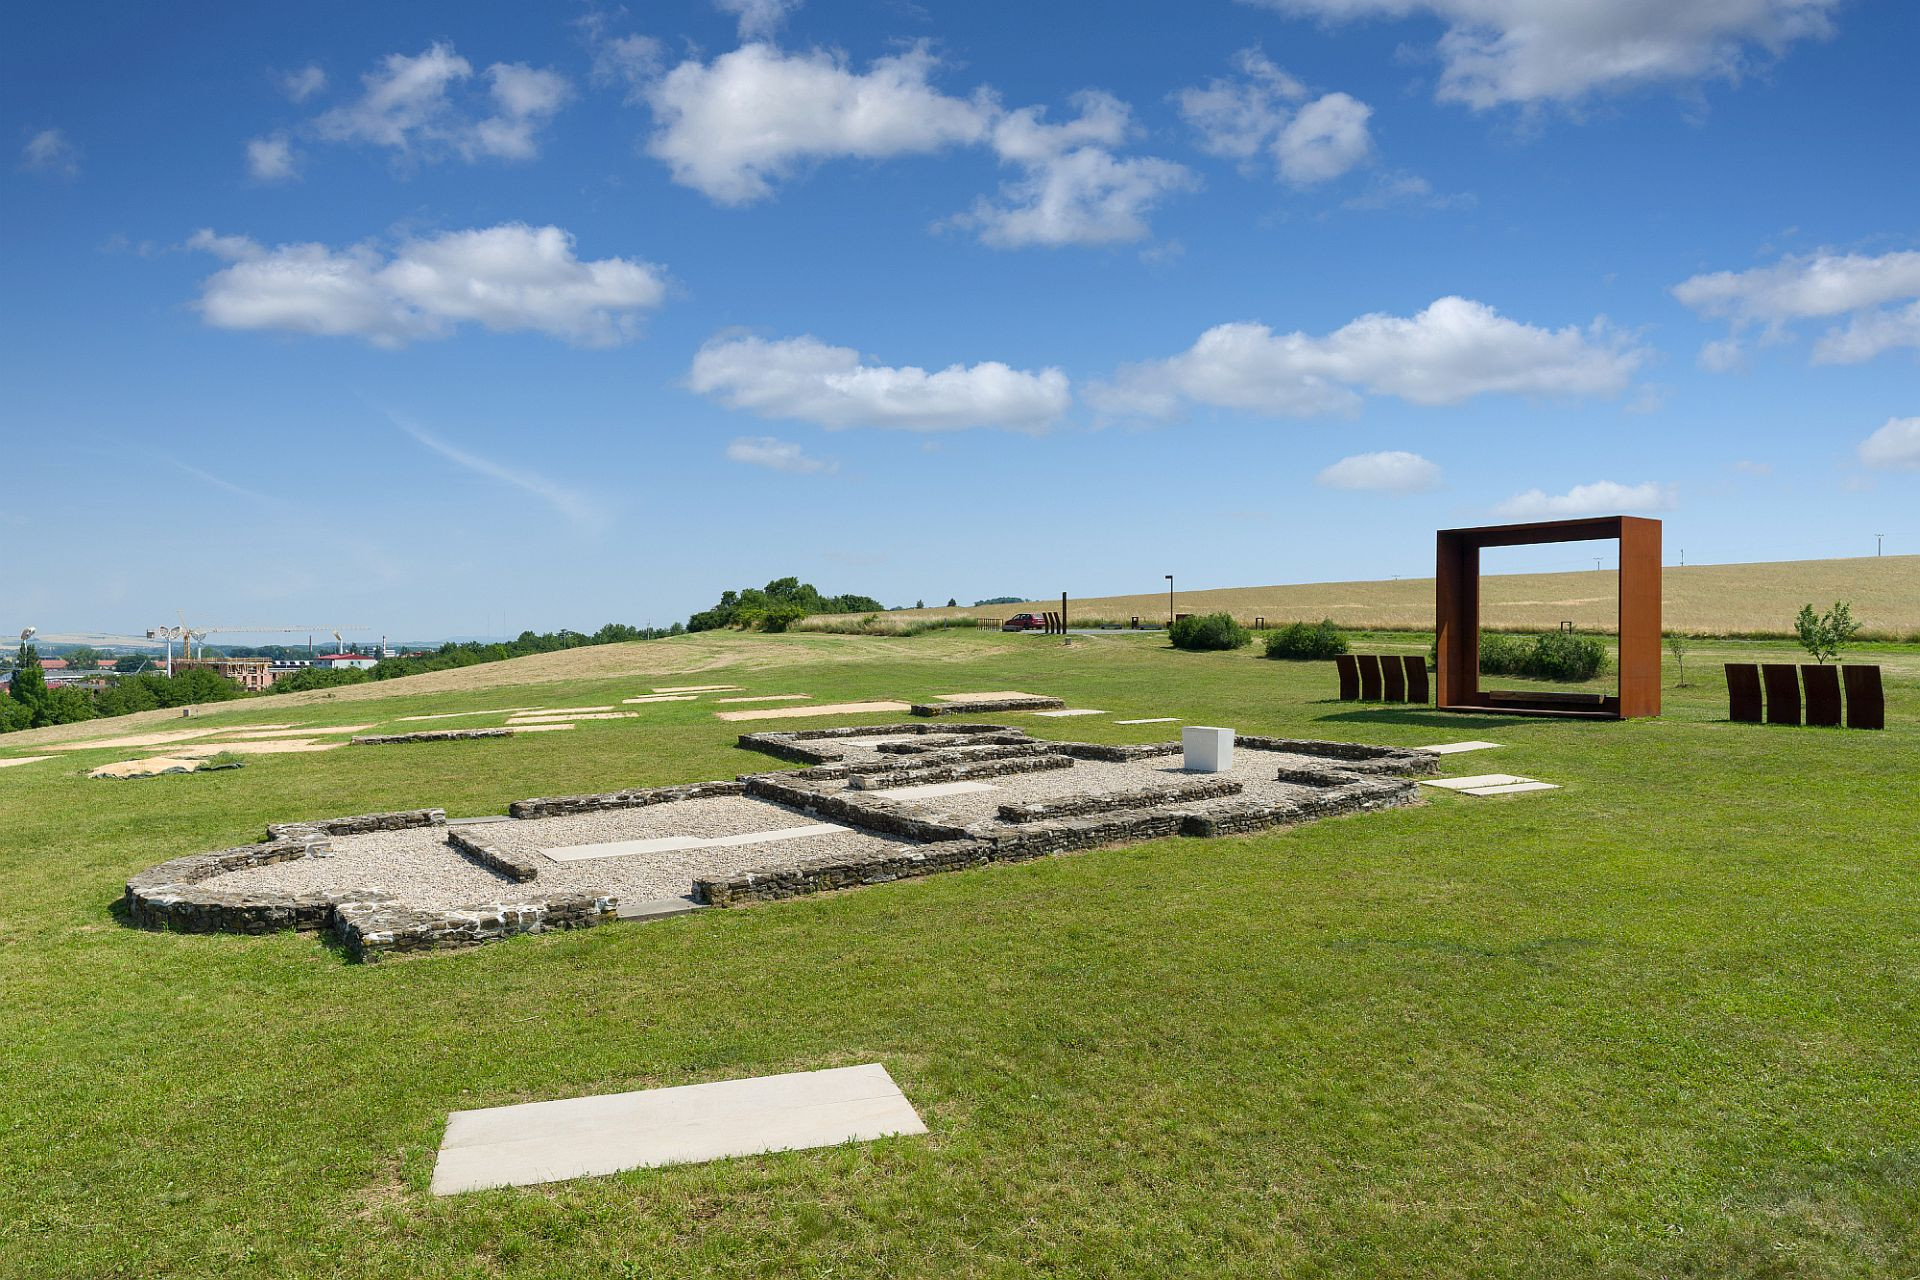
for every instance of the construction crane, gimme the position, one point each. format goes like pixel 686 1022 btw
pixel 190 636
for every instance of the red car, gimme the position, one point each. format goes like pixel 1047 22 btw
pixel 1024 622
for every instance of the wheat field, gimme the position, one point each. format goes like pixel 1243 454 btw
pixel 1708 599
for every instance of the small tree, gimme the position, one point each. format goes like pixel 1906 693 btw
pixel 952 603
pixel 1677 645
pixel 1824 635
pixel 29 687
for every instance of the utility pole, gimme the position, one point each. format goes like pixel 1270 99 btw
pixel 1878 543
pixel 1169 600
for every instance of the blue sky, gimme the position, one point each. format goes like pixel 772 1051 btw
pixel 451 318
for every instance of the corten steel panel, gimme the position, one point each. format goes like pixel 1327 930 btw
pixel 1369 677
pixel 1393 678
pixel 1782 680
pixel 1416 669
pixel 1822 684
pixel 1743 692
pixel 1457 611
pixel 1866 700
pixel 1639 617
pixel 1349 677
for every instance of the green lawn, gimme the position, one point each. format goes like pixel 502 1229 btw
pixel 1662 1022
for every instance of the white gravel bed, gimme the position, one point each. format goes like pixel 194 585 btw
pixel 418 867
pixel 1254 770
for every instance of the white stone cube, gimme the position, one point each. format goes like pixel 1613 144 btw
pixel 1208 749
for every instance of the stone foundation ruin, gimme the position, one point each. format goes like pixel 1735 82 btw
pixel 873 803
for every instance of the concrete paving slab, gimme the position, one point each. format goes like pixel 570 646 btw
pixel 997 695
pixel 769 697
pixel 1072 711
pixel 584 1137
pixel 676 844
pixel 696 688
pixel 571 718
pixel 929 789
pixel 540 726
pixel 143 739
pixel 1477 780
pixel 14 760
pixel 455 715
pixel 1511 788
pixel 656 908
pixel 827 709
pixel 565 711
pixel 661 697
pixel 1454 748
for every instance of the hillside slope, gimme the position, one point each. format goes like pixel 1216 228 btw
pixel 1713 599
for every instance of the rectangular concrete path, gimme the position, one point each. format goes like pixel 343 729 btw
pixel 582 1137
pixel 679 844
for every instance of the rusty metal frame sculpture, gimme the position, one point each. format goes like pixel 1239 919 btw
pixel 1457 616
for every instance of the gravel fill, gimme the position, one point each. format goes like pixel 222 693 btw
pixel 1253 769
pixel 418 867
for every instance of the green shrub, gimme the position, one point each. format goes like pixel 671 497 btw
pixel 1557 655
pixel 1561 655
pixel 1209 631
pixel 1307 640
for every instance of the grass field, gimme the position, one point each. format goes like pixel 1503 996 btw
pixel 1712 599
pixel 1662 1022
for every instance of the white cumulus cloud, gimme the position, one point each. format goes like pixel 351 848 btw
pixel 1325 139
pixel 1601 498
pixel 1073 188
pixel 1526 51
pixel 1393 471
pixel 758 19
pixel 408 104
pixel 1894 447
pixel 1261 111
pixel 776 455
pixel 507 278
pixel 271 159
pixel 50 151
pixel 1452 351
pixel 733 127
pixel 1818 286
pixel 736 127
pixel 304 83
pixel 805 379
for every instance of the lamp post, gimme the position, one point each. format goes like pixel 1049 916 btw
pixel 1169 602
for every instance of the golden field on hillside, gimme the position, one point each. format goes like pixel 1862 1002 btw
pixel 1713 599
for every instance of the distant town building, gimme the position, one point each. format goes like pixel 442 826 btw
pixel 338 661
pixel 251 674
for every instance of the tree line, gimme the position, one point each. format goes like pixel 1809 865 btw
pixel 31 703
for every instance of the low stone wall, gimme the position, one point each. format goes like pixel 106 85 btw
pixel 1117 753
pixel 986 706
pixel 169 896
pixel 637 798
pixel 960 771
pixel 371 930
pixel 819 875
pixel 520 867
pixel 1014 737
pixel 1115 801
pixel 360 824
pixel 1304 777
pixel 428 735
pixel 1359 757
pixel 801 745
pixel 873 813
